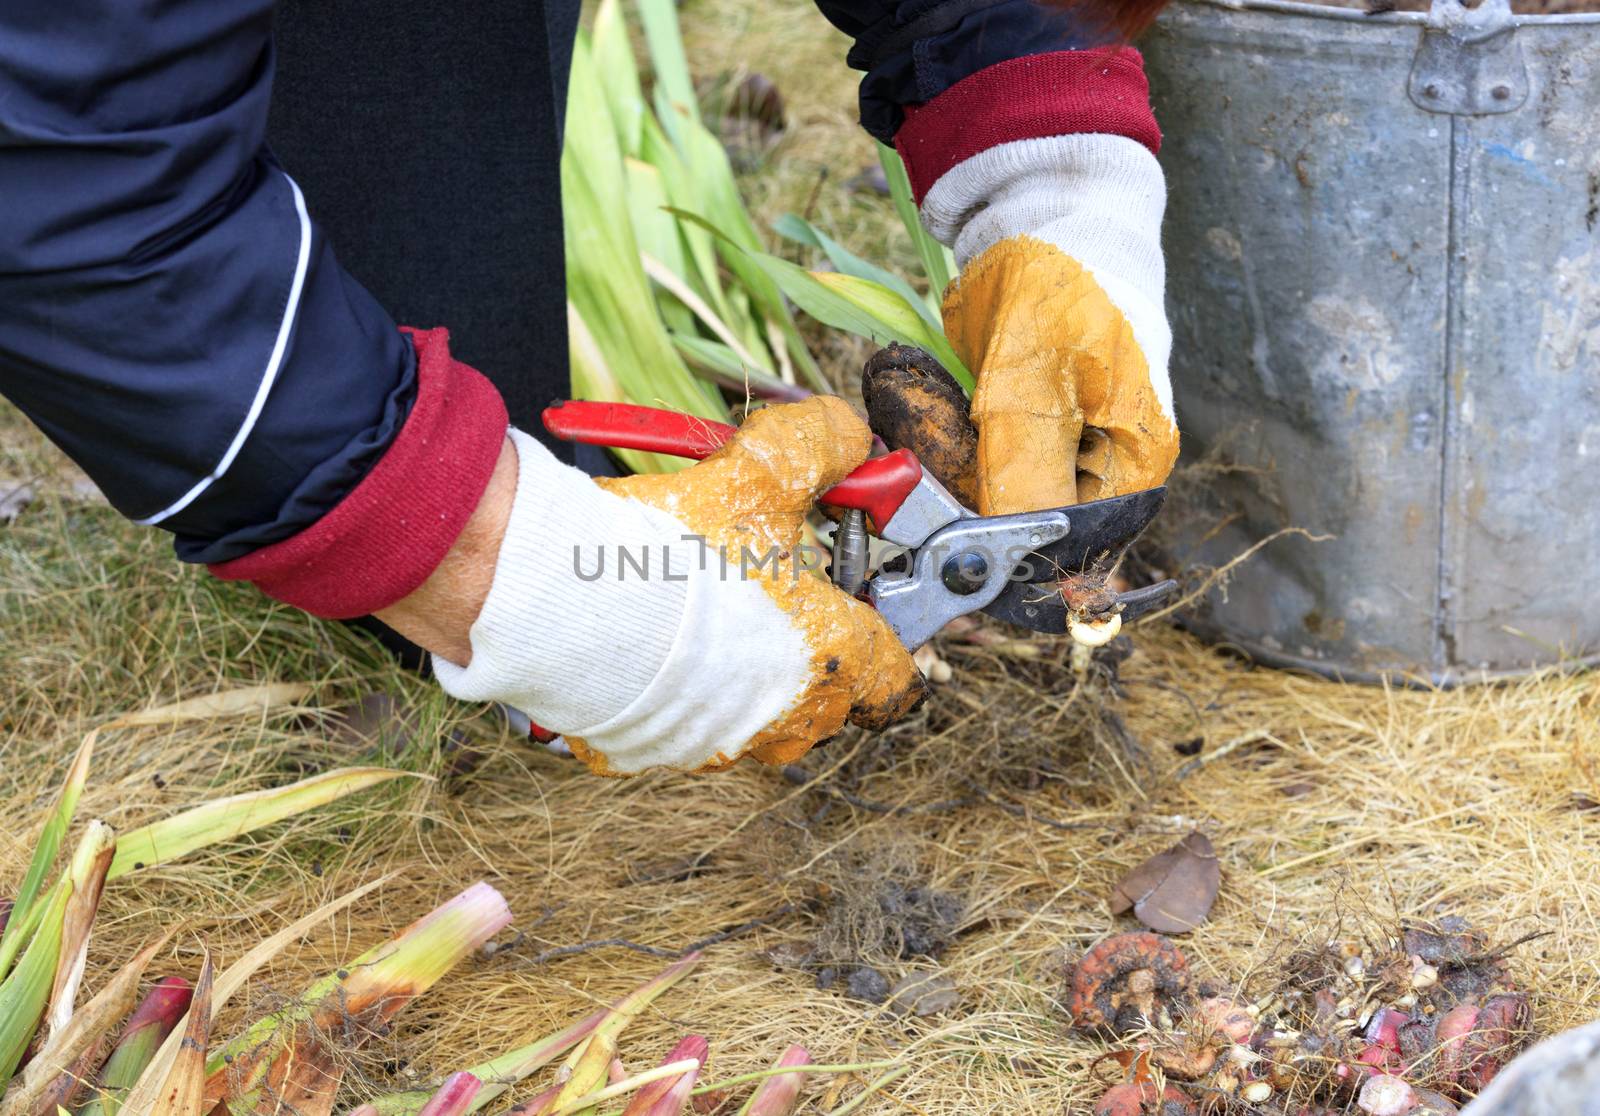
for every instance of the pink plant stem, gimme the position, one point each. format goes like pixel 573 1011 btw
pixel 454 1097
pixel 670 1095
pixel 780 1095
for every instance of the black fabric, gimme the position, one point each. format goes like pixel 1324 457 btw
pixel 428 137
pixel 913 50
pixel 150 240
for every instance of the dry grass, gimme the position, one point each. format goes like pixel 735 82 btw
pixel 1367 802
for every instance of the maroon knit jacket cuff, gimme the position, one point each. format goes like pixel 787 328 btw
pixel 393 529
pixel 1066 92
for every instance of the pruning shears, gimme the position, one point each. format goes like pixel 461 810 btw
pixel 947 560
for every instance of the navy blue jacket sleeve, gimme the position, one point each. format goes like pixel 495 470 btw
pixel 913 50
pixel 170 315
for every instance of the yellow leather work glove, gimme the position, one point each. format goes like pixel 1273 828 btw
pixel 1067 405
pixel 753 496
pixel 1040 173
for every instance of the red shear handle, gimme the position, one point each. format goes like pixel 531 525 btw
pixel 629 426
pixel 878 487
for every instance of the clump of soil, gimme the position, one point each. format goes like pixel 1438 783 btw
pixel 875 912
pixel 893 916
pixel 1430 1012
pixel 914 403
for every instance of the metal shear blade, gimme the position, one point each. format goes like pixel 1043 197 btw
pixel 1101 532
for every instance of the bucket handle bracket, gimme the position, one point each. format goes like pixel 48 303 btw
pixel 1468 61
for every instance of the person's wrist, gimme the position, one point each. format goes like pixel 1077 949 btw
pixel 438 615
pixel 384 539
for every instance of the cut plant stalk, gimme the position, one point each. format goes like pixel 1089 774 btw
pixel 183 1090
pixel 588 1067
pixel 25 994
pixel 670 1096
pixel 805 1069
pixel 58 1094
pixel 141 1099
pixel 500 1074
pixel 142 1036
pixel 627 1009
pixel 223 819
pixel 224 703
pixel 780 1096
pixel 536 1105
pixel 621 1085
pixel 454 1097
pixel 56 822
pixel 51 933
pixel 88 875
pixel 866 1094
pixel 285 1054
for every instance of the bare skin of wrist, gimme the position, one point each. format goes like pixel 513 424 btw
pixel 438 615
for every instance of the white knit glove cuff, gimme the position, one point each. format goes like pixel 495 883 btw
pixel 569 652
pixel 670 668
pixel 1098 197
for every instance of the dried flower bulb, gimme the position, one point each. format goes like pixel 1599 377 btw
pixel 1384 1095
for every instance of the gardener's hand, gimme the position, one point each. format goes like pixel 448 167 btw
pixel 1058 312
pixel 670 621
pixel 1069 406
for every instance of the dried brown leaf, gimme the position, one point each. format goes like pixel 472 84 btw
pixel 1173 891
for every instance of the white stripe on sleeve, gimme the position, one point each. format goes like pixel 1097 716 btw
pixel 268 377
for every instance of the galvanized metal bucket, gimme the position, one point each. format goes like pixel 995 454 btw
pixel 1383 242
